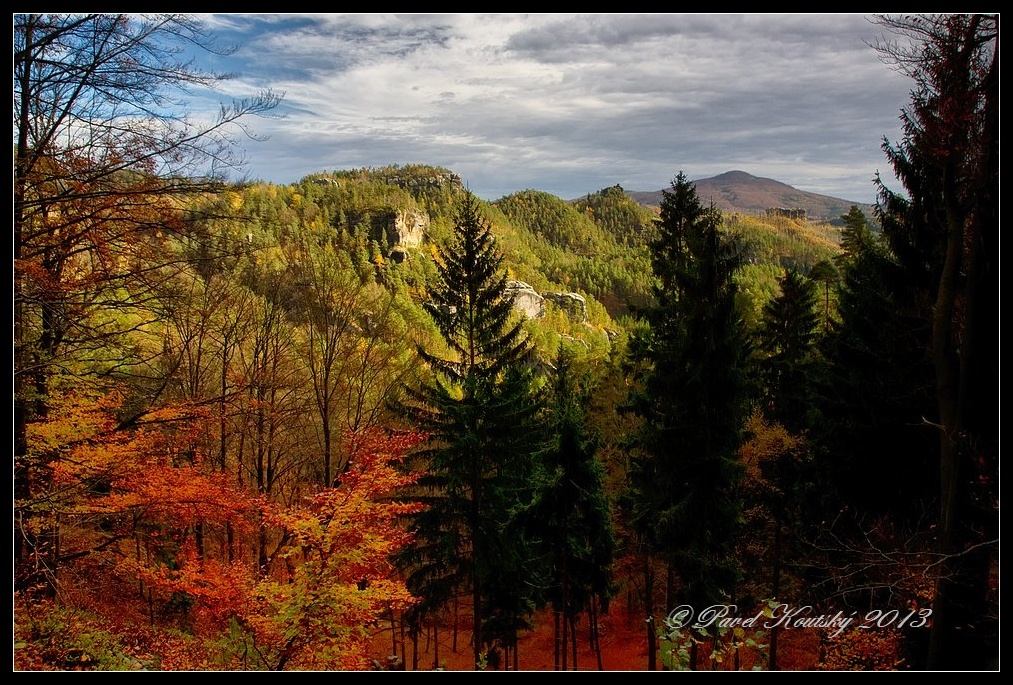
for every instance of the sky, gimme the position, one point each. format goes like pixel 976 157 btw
pixel 567 103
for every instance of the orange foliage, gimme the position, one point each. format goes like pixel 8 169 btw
pixel 141 500
pixel 341 544
pixel 863 650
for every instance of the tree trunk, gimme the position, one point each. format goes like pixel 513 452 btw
pixel 959 606
pixel 454 642
pixel 476 617
pixel 393 633
pixel 404 661
pixel 563 647
pixel 555 639
pixel 775 592
pixel 652 646
pixel 328 480
pixel 669 588
pixel 436 644
pixel 415 646
pixel 573 639
pixel 595 634
pixel 22 484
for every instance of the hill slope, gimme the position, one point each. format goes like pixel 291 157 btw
pixel 737 191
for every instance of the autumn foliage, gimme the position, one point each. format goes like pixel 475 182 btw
pixel 148 529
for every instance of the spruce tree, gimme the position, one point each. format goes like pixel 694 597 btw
pixel 874 391
pixel 479 410
pixel 856 235
pixel 692 400
pixel 826 274
pixel 572 514
pixel 944 232
pixel 787 336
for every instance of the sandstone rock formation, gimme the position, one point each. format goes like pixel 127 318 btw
pixel 407 228
pixel 526 299
pixel 573 304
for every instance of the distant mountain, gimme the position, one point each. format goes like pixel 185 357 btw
pixel 737 191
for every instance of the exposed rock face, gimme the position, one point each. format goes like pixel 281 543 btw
pixel 325 181
pixel 526 299
pixel 573 304
pixel 407 228
pixel 408 181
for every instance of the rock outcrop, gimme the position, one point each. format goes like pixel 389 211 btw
pixel 405 178
pixel 407 228
pixel 526 299
pixel 531 303
pixel 573 304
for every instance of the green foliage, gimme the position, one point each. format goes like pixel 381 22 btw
pixel 768 246
pixel 692 400
pixel 571 514
pixel 876 388
pixel 555 220
pixel 628 222
pixel 574 251
pixel 856 235
pixel 787 336
pixel 72 639
pixel 479 410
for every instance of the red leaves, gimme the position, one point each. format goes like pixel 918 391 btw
pixel 151 521
pixel 343 579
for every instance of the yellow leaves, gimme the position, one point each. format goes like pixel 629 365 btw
pixel 340 547
pixel 766 441
pixel 234 200
pixel 73 418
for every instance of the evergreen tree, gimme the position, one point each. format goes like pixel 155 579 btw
pixel 787 335
pixel 944 234
pixel 572 514
pixel 856 234
pixel 875 390
pixel 479 410
pixel 692 402
pixel 825 273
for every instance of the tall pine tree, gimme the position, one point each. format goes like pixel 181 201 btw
pixel 479 410
pixel 856 235
pixel 572 517
pixel 944 233
pixel 692 401
pixel 787 337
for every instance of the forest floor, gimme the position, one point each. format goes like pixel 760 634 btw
pixel 623 646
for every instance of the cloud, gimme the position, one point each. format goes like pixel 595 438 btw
pixel 570 104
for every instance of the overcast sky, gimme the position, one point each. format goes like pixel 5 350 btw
pixel 569 103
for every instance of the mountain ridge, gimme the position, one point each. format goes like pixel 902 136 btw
pixel 740 191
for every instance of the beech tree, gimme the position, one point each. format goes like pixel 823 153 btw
pixel 103 149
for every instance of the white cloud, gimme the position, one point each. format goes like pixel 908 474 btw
pixel 572 103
